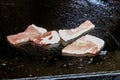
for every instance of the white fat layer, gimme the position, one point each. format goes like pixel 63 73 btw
pixel 55 38
pixel 99 42
pixel 63 34
pixel 40 29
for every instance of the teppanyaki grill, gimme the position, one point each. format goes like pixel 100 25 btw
pixel 30 60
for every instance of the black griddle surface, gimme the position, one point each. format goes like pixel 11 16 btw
pixel 30 60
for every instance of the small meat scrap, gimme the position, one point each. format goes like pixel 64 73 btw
pixel 87 45
pixel 68 34
pixel 50 37
pixel 30 33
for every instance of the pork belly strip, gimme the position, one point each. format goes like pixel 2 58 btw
pixel 29 34
pixel 68 34
pixel 85 46
pixel 50 37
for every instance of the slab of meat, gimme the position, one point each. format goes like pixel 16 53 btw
pixel 50 37
pixel 29 34
pixel 85 46
pixel 68 34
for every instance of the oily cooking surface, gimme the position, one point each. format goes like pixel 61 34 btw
pixel 32 60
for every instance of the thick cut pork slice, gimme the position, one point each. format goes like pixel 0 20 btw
pixel 69 34
pixel 30 33
pixel 50 37
pixel 85 46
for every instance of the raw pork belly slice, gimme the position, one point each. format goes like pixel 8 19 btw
pixel 73 33
pixel 29 34
pixel 50 37
pixel 85 46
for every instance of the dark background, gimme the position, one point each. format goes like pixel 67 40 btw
pixel 29 60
